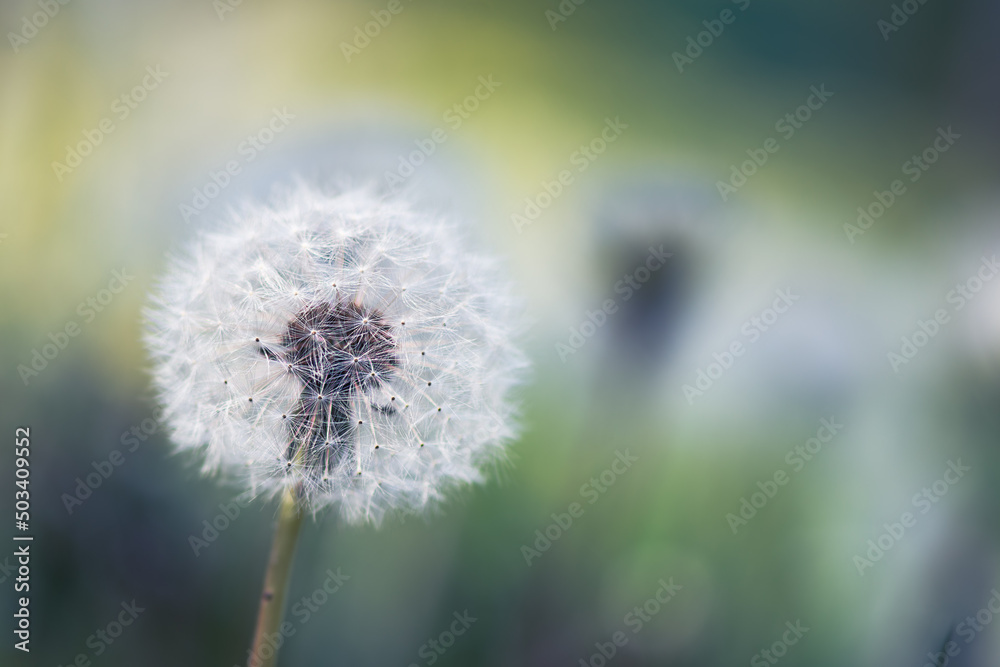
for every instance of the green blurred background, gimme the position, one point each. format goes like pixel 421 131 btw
pixel 228 67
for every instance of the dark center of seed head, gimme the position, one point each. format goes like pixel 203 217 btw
pixel 337 350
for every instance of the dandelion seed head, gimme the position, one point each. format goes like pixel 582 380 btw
pixel 346 345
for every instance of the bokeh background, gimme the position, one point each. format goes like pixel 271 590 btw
pixel 229 66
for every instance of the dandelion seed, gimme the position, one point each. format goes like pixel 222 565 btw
pixel 285 335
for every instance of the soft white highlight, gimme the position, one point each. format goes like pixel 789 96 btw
pixel 347 345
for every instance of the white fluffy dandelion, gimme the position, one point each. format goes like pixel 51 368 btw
pixel 347 347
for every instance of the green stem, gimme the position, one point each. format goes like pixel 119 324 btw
pixel 264 652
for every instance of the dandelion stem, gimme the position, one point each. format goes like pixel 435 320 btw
pixel 264 652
